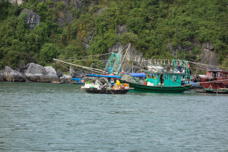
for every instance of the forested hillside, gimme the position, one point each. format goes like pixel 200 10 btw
pixel 39 30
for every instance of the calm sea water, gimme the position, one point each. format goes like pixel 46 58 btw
pixel 53 117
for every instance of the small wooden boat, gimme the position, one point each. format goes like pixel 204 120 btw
pixel 106 91
pixel 102 84
pixel 160 89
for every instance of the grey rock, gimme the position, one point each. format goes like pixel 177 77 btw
pixel 12 75
pixel 32 18
pixel 121 29
pixel 38 73
pixel 209 57
pixel 51 73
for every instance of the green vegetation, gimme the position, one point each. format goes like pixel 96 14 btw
pixel 157 28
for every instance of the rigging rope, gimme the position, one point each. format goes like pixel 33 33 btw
pixel 216 81
pixel 80 66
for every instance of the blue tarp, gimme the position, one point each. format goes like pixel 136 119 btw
pixel 138 74
pixel 77 80
pixel 105 76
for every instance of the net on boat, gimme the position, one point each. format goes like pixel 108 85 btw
pixel 113 64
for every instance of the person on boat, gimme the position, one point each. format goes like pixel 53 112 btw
pixel 161 79
pixel 118 83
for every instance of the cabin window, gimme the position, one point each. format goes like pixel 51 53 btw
pixel 214 75
pixel 174 78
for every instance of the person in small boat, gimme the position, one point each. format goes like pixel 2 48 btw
pixel 105 84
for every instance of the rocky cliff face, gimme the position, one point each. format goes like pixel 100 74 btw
pixel 87 27
pixel 208 55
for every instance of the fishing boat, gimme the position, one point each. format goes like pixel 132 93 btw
pixel 214 73
pixel 215 81
pixel 161 79
pixel 160 83
pixel 160 89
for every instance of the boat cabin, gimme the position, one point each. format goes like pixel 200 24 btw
pixel 217 74
pixel 165 79
pixel 215 79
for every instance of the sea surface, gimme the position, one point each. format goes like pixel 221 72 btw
pixel 36 117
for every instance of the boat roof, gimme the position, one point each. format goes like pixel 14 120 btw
pixel 137 74
pixel 214 70
pixel 104 76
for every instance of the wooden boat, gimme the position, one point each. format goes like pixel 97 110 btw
pixel 161 82
pixel 215 81
pixel 214 78
pixel 106 91
pixel 160 89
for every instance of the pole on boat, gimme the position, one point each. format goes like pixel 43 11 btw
pixel 80 66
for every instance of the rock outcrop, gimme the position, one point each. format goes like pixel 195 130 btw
pixel 32 18
pixel 51 73
pixel 208 55
pixel 12 75
pixel 34 73
pixel 38 73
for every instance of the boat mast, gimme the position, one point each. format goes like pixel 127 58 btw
pixel 83 67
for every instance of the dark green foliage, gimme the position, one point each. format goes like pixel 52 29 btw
pixel 159 29
pixel 48 52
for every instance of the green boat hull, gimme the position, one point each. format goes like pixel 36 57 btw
pixel 220 91
pixel 159 89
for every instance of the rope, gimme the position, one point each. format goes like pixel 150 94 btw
pixel 100 54
pixel 84 60
pixel 97 55
pixel 215 81
pixel 202 64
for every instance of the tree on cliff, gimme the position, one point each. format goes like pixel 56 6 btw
pixel 161 29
